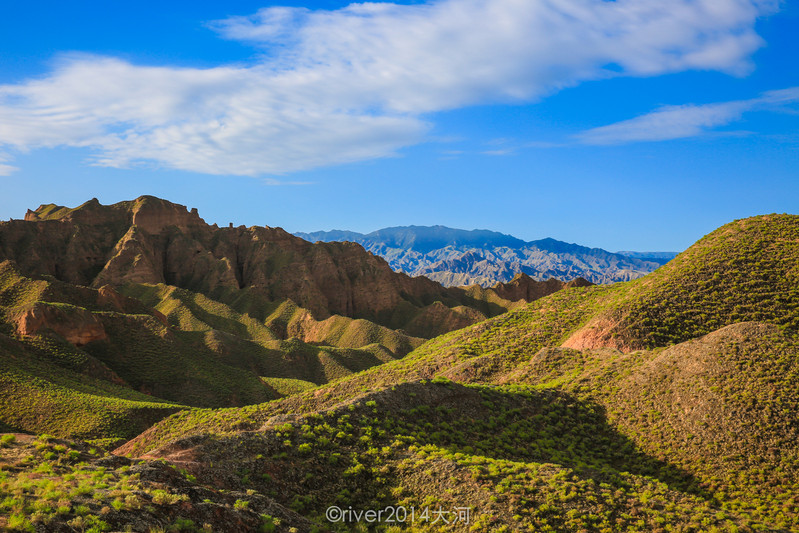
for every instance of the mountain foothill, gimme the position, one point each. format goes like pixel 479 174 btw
pixel 158 373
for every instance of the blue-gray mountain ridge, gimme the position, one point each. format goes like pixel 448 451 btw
pixel 455 257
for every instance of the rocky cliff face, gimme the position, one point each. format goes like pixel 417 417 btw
pixel 149 240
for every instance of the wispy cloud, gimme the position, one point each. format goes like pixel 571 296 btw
pixel 502 152
pixel 501 147
pixel 6 170
pixel 360 82
pixel 681 121
pixel 545 144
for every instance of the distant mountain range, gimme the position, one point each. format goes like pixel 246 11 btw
pixel 455 257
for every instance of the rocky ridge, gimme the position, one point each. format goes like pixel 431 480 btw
pixel 455 257
pixel 153 241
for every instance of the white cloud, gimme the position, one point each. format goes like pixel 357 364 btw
pixel 355 83
pixel 219 121
pixel 682 121
pixel 6 170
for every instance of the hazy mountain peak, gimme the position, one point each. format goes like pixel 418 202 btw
pixel 462 257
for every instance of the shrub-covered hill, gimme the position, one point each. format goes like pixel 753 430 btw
pixel 745 270
pixel 705 431
pixel 697 396
pixel 530 458
pixel 40 395
pixel 93 363
pixel 57 486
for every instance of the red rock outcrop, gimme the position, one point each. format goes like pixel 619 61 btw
pixel 77 325
pixel 600 333
pixel 150 240
pixel 153 215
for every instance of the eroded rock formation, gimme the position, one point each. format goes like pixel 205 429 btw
pixel 149 240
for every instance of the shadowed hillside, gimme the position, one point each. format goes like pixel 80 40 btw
pixel 710 420
pixel 90 355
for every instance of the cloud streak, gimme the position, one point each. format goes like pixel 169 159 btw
pixel 683 121
pixel 361 82
pixel 5 169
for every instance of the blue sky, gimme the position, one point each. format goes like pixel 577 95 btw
pixel 634 124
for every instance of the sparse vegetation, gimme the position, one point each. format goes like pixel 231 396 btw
pixel 663 404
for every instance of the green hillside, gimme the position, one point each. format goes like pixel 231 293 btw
pixel 680 403
pixel 155 351
pixel 268 325
pixel 663 404
pixel 288 343
pixel 40 395
pixel 746 270
pixel 53 485
pixel 521 457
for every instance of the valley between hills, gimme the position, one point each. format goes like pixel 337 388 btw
pixel 158 373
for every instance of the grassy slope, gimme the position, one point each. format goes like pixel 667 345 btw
pixel 522 458
pixel 722 407
pixel 142 351
pixel 335 347
pixel 54 485
pixel 465 352
pixel 211 356
pixel 48 386
pixel 745 270
pixel 719 411
pixel 41 396
pixel 682 435
pixel 173 365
